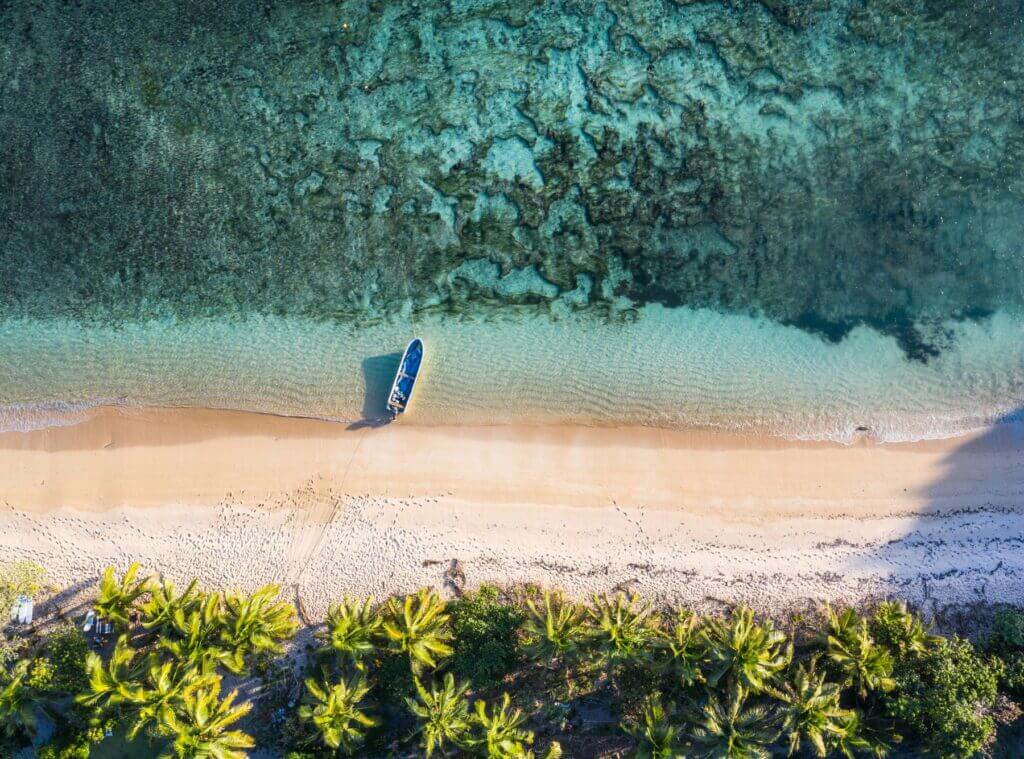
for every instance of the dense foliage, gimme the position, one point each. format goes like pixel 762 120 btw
pixel 519 674
pixel 486 637
pixel 947 694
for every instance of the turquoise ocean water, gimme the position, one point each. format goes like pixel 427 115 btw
pixel 669 367
pixel 778 216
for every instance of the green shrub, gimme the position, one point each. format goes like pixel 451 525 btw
pixel 76 731
pixel 66 649
pixel 1008 630
pixel 947 696
pixel 1012 680
pixel 60 666
pixel 40 675
pixel 393 678
pixel 486 646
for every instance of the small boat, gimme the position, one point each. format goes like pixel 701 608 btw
pixel 405 377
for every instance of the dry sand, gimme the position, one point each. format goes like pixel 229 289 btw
pixel 242 499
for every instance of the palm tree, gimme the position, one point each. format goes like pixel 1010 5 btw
pixel 154 701
pixel 902 632
pixel 336 713
pixel 556 630
pixel 255 624
pixel 17 703
pixel 502 733
pixel 866 734
pixel 851 741
pixel 687 648
pixel 193 637
pixel 842 626
pixel 733 730
pixel 745 651
pixel 352 631
pixel 810 709
pixel 111 684
pixel 443 714
pixel 419 629
pixel 117 598
pixel 200 724
pixel 863 663
pixel 164 602
pixel 624 628
pixel 657 736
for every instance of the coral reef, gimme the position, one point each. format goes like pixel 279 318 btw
pixel 822 164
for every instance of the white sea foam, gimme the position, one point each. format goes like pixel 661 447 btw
pixel 22 417
pixel 668 367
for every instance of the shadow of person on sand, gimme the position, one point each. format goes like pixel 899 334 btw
pixel 378 374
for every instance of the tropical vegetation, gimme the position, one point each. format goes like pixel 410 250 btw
pixel 520 673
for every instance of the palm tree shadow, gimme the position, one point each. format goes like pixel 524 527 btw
pixel 963 546
pixel 378 374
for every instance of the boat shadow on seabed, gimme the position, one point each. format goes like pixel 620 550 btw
pixel 378 374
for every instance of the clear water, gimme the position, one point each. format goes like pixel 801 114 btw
pixel 776 216
pixel 668 367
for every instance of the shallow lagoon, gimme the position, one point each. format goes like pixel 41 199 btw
pixel 666 367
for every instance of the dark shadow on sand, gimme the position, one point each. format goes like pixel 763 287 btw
pixel 973 530
pixel 964 548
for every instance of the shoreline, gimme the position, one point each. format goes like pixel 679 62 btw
pixel 241 499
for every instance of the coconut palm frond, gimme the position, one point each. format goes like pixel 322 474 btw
pixel 624 628
pixel 810 710
pixel 863 663
pixel 201 722
pixel 193 638
pixel 657 736
pixel 904 633
pixel 732 729
pixel 254 624
pixel 165 602
pixel 443 715
pixel 418 627
pixel 113 683
pixel 502 733
pixel 554 630
pixel 17 703
pixel 153 702
pixel 353 629
pixel 745 652
pixel 116 599
pixel 687 649
pixel 335 713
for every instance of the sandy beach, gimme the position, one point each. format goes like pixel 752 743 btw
pixel 242 499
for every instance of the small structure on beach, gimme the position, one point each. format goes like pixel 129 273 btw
pixel 22 611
